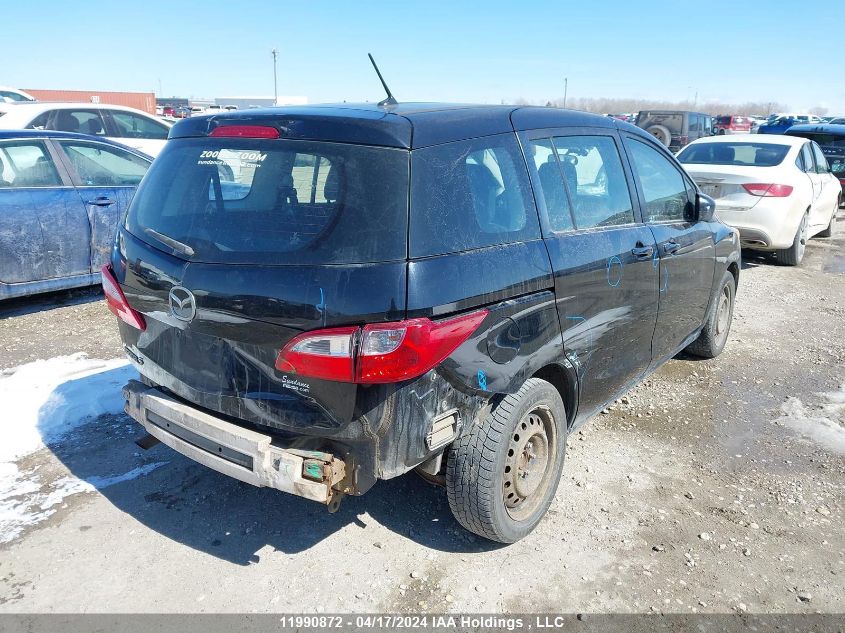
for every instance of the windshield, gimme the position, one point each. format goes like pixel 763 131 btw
pixel 274 201
pixel 743 154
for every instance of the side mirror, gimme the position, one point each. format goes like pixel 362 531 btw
pixel 705 207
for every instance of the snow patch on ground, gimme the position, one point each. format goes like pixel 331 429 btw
pixel 40 404
pixel 43 400
pixel 823 423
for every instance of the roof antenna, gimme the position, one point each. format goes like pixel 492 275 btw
pixel 389 101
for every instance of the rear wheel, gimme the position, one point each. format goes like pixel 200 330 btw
pixel 713 337
pixel 502 473
pixel 793 255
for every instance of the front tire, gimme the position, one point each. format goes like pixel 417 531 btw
pixel 793 255
pixel 503 472
pixel 713 337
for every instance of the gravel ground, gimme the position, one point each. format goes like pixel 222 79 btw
pixel 715 486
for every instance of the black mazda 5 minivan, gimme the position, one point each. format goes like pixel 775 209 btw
pixel 320 297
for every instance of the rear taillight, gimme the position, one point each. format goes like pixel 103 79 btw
pixel 245 131
pixel 767 190
pixel 377 353
pixel 683 140
pixel 116 301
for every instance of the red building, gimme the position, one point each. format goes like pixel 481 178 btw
pixel 145 101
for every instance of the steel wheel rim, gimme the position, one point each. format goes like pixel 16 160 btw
pixel 723 314
pixel 529 463
pixel 802 237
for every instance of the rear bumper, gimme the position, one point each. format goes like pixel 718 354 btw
pixel 769 224
pixel 232 450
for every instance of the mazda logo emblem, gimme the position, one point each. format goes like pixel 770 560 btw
pixel 182 303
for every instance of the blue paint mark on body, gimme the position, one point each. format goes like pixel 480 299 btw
pixel 482 380
pixel 614 271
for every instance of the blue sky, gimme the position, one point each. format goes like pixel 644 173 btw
pixel 480 52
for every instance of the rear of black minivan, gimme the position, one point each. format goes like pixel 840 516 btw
pixel 260 282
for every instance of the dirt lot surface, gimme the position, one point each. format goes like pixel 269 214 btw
pixel 715 486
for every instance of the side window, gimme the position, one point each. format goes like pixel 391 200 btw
pixel 27 165
pixel 134 126
pixel 821 162
pixel 663 186
pixel 694 123
pixel 551 182
pixel 83 121
pixel 470 194
pixel 39 122
pixel 807 155
pixel 596 181
pixel 99 165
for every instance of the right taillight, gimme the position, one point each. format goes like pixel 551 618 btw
pixel 377 353
pixel 116 301
pixel 767 190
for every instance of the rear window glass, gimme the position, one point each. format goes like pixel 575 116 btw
pixel 823 139
pixel 470 194
pixel 673 121
pixel 743 154
pixel 284 202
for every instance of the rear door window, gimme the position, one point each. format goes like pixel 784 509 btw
pixel 592 170
pixel 807 155
pixel 821 162
pixel 280 201
pixel 551 182
pixel 82 121
pixel 470 194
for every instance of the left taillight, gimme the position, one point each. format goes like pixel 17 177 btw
pixel 116 301
pixel 377 353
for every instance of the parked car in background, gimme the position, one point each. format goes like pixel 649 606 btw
pixel 182 112
pixel 838 121
pixel 675 128
pixel 61 198
pixel 777 126
pixel 778 191
pixel 137 129
pixel 377 292
pixel 11 95
pixel 732 124
pixel 831 139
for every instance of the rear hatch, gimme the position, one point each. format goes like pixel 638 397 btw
pixel 722 169
pixel 233 246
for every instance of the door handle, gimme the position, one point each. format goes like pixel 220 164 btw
pixel 670 247
pixel 101 201
pixel 642 252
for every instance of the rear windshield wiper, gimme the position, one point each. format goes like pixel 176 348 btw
pixel 174 244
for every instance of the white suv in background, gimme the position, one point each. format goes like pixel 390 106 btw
pixel 129 126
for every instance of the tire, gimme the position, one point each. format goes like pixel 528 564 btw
pixel 486 494
pixel 717 326
pixel 793 255
pixel 661 133
pixel 828 232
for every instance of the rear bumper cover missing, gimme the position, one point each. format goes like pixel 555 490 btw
pixel 232 450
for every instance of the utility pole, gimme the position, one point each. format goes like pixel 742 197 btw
pixel 565 89
pixel 275 53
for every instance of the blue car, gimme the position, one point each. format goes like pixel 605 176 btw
pixel 61 197
pixel 778 126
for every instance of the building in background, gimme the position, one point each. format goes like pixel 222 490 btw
pixel 245 103
pixel 145 101
pixel 173 102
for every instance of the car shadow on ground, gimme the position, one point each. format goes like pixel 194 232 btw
pixel 21 306
pixel 753 259
pixel 218 515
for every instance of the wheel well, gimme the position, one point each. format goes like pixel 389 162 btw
pixel 733 268
pixel 560 380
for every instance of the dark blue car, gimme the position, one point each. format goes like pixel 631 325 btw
pixel 61 196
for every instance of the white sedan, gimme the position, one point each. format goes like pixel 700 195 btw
pixel 777 190
pixel 137 129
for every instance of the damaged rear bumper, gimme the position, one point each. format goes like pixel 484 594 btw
pixel 232 450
